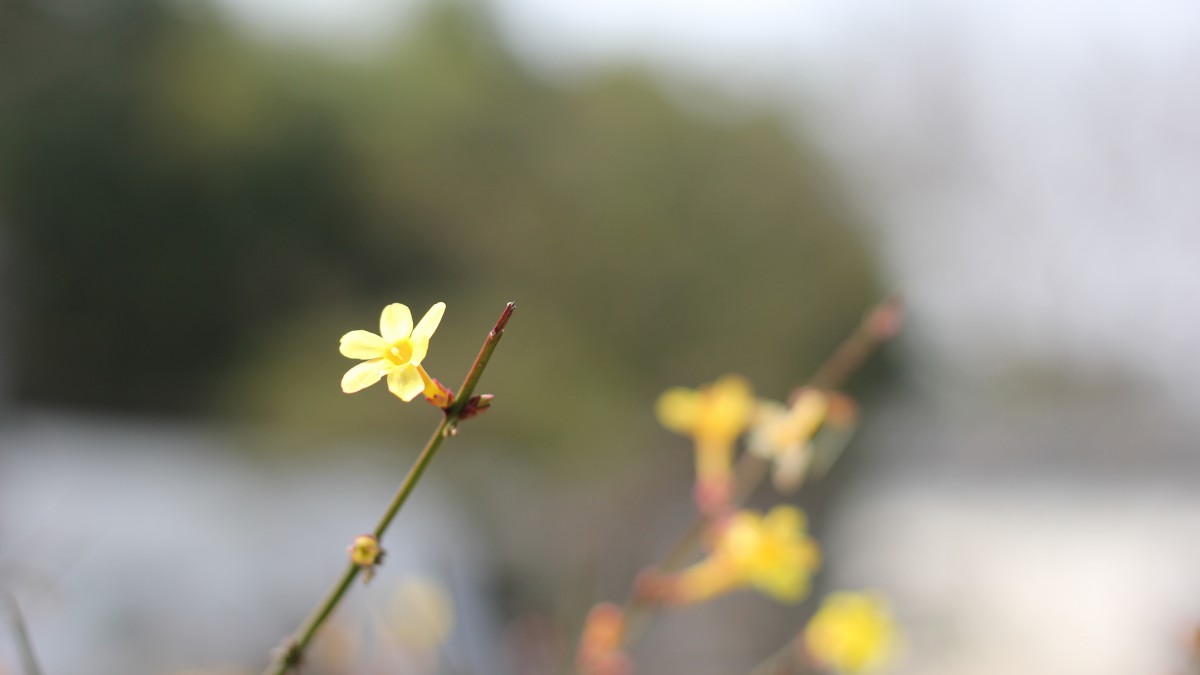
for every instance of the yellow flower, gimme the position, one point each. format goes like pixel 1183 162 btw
pixel 714 413
pixel 714 416
pixel 397 352
pixel 851 633
pixel 772 554
pixel 784 435
pixel 804 439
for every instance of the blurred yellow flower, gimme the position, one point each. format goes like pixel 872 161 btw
pixel 714 416
pixel 714 413
pixel 396 352
pixel 784 435
pixel 852 633
pixel 772 554
pixel 805 438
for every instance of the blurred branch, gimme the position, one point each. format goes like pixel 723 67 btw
pixel 21 632
pixel 877 326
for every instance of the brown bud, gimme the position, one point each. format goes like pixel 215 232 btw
pixel 476 405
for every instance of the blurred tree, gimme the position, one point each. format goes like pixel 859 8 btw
pixel 180 195
pixel 146 246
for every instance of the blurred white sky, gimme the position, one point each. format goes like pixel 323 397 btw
pixel 1029 168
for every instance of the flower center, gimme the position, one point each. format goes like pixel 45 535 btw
pixel 400 352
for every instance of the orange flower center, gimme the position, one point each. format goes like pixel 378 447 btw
pixel 400 352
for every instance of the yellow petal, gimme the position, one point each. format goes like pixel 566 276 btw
pixel 395 323
pixel 362 344
pixel 677 409
pixel 727 406
pixel 363 375
pixel 784 520
pixel 427 326
pixel 420 347
pixel 405 382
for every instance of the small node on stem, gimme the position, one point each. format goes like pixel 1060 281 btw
pixel 600 651
pixel 366 553
pixel 288 653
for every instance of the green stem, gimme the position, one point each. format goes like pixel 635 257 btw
pixel 291 653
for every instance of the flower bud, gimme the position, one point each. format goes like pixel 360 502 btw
pixel 600 645
pixel 476 405
pixel 367 554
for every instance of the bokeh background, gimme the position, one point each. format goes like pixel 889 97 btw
pixel 198 198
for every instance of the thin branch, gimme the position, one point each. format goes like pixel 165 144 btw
pixel 291 653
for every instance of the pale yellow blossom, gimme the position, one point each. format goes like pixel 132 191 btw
pixel 804 439
pixel 784 435
pixel 396 352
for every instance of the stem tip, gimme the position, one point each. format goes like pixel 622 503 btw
pixel 504 317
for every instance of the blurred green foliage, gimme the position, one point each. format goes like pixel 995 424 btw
pixel 196 219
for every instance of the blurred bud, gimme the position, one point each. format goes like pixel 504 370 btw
pixel 366 553
pixel 476 405
pixel 438 394
pixel 885 321
pixel 600 644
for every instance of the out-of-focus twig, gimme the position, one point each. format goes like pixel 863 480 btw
pixel 21 632
pixel 880 324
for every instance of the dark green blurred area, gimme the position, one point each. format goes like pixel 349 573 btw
pixel 194 219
